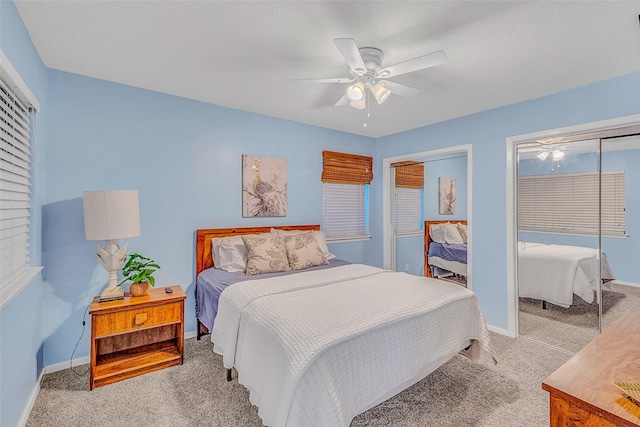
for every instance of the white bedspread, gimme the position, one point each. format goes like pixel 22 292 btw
pixel 555 272
pixel 318 348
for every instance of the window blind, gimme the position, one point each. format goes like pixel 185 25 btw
pixel 346 168
pixel 345 211
pixel 568 203
pixel 15 166
pixel 407 210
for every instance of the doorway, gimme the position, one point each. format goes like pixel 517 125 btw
pixel 390 240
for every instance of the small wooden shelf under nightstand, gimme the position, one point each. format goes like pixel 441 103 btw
pixel 136 335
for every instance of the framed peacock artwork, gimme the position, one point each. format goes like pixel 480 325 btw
pixel 264 186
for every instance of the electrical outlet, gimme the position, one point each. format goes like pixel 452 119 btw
pixel 406 268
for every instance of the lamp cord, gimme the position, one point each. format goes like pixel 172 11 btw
pixel 71 368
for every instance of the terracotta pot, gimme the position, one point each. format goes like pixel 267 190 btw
pixel 139 289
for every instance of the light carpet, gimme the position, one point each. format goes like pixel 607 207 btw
pixel 574 327
pixel 460 393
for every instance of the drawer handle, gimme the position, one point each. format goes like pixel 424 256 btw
pixel 140 319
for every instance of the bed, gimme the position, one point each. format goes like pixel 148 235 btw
pixel 445 253
pixel 554 273
pixel 320 346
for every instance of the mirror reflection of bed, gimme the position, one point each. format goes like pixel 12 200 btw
pixel 445 255
pixel 561 271
pixel 558 294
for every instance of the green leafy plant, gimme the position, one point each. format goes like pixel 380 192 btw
pixel 139 269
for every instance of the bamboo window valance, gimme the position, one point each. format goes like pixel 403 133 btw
pixel 346 168
pixel 409 174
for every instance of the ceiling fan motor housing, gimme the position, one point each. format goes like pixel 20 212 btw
pixel 372 58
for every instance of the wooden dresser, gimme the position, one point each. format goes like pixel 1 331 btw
pixel 581 392
pixel 136 335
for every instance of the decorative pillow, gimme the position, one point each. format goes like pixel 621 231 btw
pixel 266 253
pixel 303 251
pixel 319 235
pixel 462 228
pixel 229 254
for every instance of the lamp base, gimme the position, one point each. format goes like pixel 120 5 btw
pixel 111 294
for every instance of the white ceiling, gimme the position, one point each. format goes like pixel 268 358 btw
pixel 241 54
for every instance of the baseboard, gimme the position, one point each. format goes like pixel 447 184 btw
pixel 620 282
pixel 85 360
pixel 499 331
pixel 32 400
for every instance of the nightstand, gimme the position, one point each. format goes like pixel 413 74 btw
pixel 136 335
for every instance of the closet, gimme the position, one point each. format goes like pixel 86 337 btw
pixel 577 209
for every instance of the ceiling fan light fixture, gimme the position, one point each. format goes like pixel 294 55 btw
pixel 543 155
pixel 380 92
pixel 355 92
pixel 557 155
pixel 360 105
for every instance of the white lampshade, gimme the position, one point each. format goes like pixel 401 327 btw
pixel 111 215
pixel 380 92
pixel 360 105
pixel 557 155
pixel 355 92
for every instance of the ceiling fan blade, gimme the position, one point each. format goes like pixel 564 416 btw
pixel 342 101
pixel 415 64
pixel 398 89
pixel 351 54
pixel 332 80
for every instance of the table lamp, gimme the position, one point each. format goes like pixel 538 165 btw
pixel 111 215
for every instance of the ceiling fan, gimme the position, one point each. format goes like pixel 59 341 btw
pixel 369 77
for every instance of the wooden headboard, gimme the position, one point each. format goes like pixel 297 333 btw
pixel 427 238
pixel 204 257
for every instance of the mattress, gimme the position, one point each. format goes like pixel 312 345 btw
pixel 554 273
pixel 212 281
pixel 319 347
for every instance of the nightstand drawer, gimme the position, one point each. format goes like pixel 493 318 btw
pixel 140 318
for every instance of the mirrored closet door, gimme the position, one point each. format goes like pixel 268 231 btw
pixel 558 205
pixel 578 242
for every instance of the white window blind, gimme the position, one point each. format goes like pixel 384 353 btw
pixel 345 209
pixel 568 203
pixel 15 182
pixel 407 210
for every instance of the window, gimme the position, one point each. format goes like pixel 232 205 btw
pixel 408 197
pixel 15 165
pixel 568 203
pixel 17 109
pixel 345 197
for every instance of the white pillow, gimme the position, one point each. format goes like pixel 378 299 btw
pixel 229 254
pixel 462 228
pixel 436 233
pixel 319 235
pixel 451 234
pixel 445 233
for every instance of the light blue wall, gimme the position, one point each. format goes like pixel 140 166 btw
pixel 410 249
pixel 622 253
pixel 21 353
pixel 488 131
pixel 184 158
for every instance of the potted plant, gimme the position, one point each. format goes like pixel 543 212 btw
pixel 139 270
